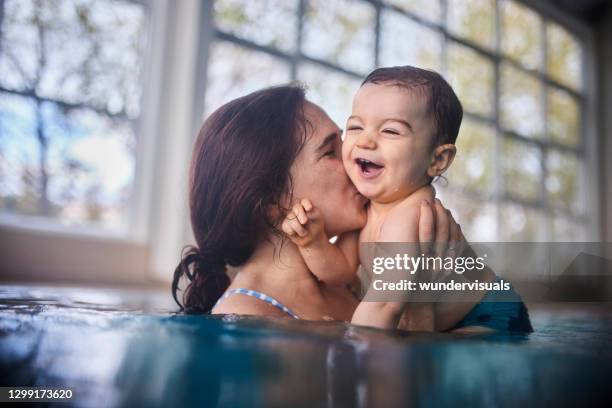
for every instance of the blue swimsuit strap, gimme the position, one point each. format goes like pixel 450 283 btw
pixel 257 295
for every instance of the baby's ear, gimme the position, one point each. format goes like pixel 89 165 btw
pixel 441 159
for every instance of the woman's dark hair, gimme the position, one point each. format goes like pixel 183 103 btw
pixel 240 170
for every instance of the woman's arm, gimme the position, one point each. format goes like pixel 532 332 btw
pixel 450 242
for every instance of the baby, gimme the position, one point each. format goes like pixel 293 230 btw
pixel 399 137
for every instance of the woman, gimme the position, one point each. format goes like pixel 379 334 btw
pixel 252 158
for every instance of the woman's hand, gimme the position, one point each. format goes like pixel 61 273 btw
pixel 439 233
pixel 439 236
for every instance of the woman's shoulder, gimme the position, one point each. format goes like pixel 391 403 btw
pixel 246 305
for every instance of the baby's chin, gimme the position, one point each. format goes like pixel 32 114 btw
pixel 372 192
pixel 375 191
pixel 364 190
pixel 382 195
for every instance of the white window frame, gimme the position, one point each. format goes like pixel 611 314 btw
pixel 135 228
pixel 157 214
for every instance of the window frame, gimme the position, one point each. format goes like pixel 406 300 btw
pixel 91 254
pixel 135 229
pixel 586 150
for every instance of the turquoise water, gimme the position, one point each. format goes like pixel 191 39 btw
pixel 122 348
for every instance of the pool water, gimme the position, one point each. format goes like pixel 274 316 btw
pixel 126 348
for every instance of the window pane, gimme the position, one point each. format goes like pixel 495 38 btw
pixel 522 224
pixel 563 56
pixel 18 56
pixel 79 63
pixel 84 183
pixel 55 163
pixel 404 42
pixel 332 91
pixel 19 153
pixel 522 169
pixel 91 51
pixel 428 9
pixel 563 117
pixel 234 71
pixel 562 183
pixel 255 21
pixel 472 78
pixel 564 230
pixel 520 34
pixel 473 19
pixel 473 166
pixel 521 110
pixel 341 32
pixel 476 217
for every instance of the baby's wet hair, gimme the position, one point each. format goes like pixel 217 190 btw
pixel 442 102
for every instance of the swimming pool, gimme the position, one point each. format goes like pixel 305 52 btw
pixel 124 348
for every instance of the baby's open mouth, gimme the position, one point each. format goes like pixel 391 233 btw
pixel 369 168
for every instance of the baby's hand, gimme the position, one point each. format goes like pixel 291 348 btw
pixel 304 224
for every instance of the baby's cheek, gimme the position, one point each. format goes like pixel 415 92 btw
pixel 344 163
pixel 346 150
pixel 347 165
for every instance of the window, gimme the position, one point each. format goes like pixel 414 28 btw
pixel 70 90
pixel 522 156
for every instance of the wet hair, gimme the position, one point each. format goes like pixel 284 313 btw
pixel 442 103
pixel 240 171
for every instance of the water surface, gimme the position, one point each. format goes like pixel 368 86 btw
pixel 127 348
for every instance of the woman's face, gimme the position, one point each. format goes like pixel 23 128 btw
pixel 318 175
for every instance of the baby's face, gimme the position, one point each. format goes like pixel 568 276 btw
pixel 387 148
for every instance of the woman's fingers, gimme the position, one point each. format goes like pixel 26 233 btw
pixel 426 227
pixel 442 229
pixel 456 239
pixel 456 236
pixel 455 232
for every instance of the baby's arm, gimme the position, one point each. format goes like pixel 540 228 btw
pixel 332 264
